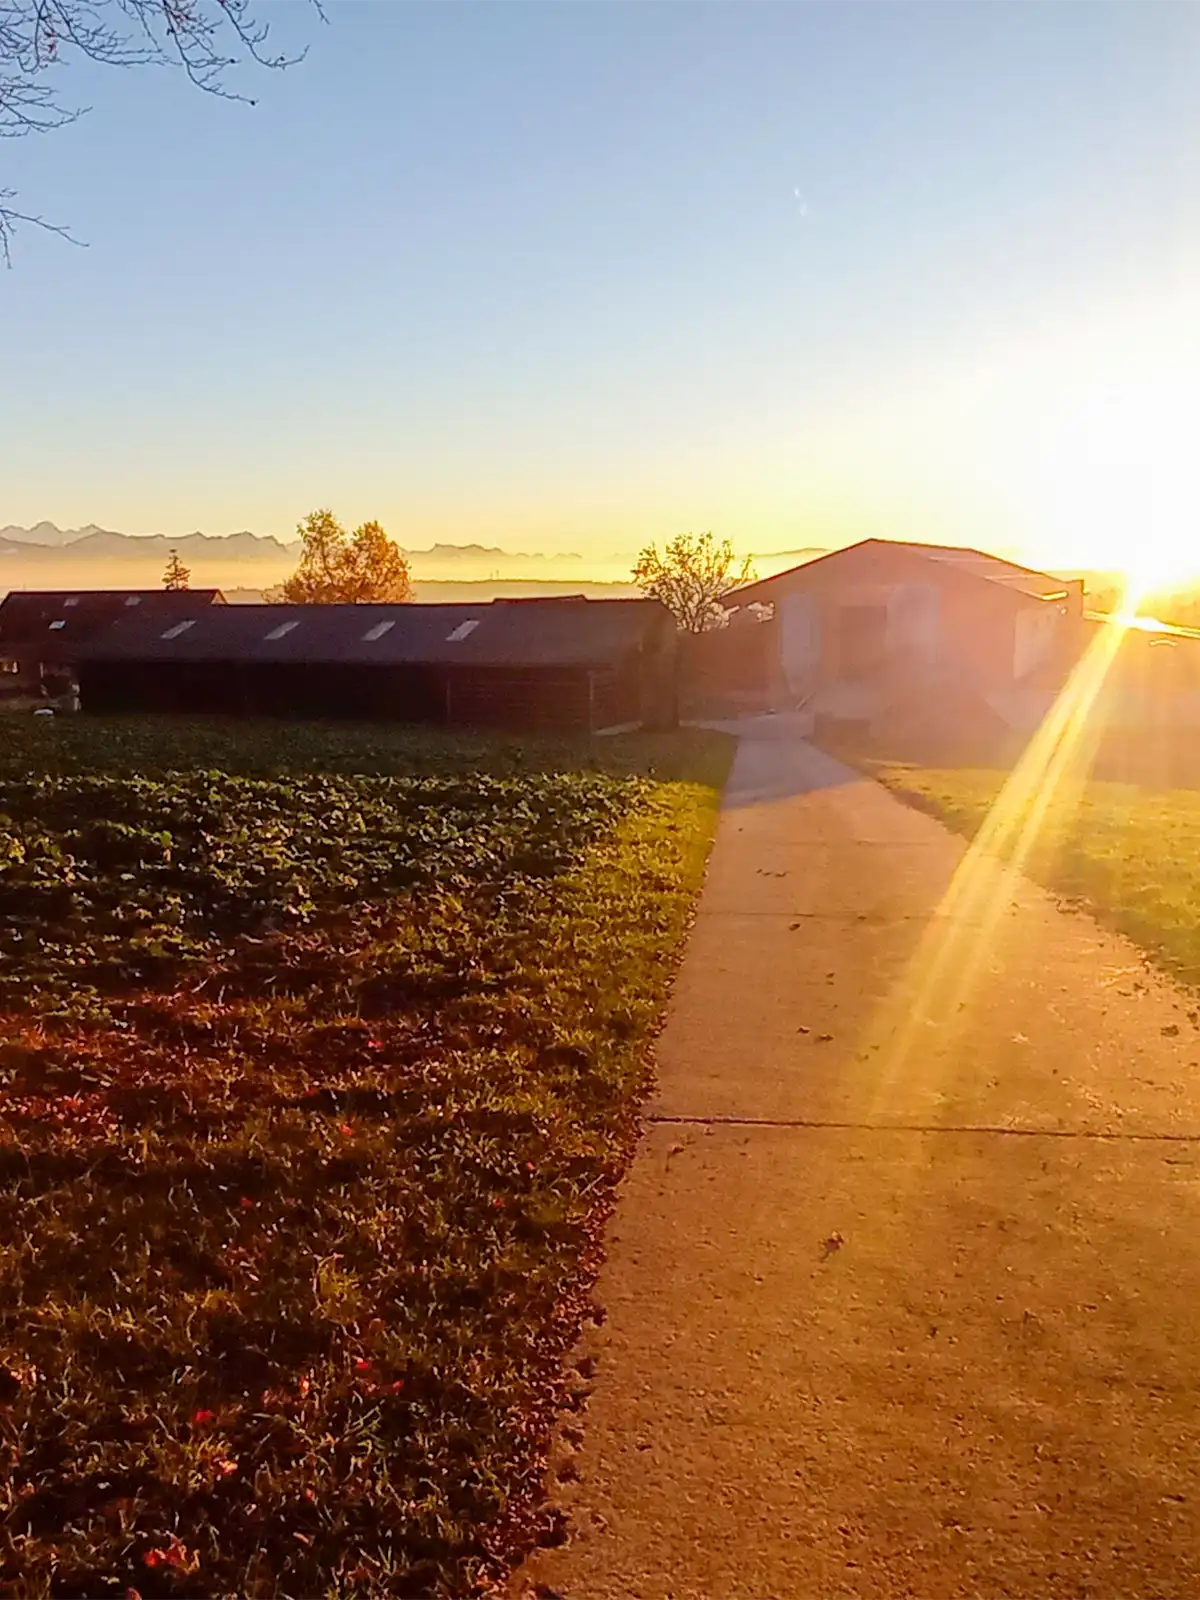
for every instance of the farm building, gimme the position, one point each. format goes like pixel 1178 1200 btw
pixel 563 665
pixel 1142 695
pixel 885 633
pixel 42 631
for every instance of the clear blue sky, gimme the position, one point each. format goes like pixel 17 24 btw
pixel 538 275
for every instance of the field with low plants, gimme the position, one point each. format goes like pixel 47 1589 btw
pixel 321 1050
pixel 1130 854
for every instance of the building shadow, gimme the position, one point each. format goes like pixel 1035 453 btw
pixel 776 760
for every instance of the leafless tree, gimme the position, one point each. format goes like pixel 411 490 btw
pixel 201 38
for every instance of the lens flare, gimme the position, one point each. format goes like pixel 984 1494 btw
pixel 961 936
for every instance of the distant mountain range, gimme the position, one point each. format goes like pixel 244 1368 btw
pixel 46 556
pixel 93 540
pixel 45 541
pixel 47 546
pixel 46 533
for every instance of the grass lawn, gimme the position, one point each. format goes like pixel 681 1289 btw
pixel 1131 854
pixel 321 1050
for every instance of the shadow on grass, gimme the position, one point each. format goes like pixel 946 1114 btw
pixel 266 748
pixel 1152 759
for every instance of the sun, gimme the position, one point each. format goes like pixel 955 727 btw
pixel 1101 445
pixel 1154 556
pixel 1127 502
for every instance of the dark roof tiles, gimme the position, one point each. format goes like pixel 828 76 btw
pixel 53 621
pixel 500 633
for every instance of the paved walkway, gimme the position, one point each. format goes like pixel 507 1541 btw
pixel 895 1308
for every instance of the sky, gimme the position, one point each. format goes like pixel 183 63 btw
pixel 579 276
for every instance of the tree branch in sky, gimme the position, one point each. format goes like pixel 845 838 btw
pixel 201 38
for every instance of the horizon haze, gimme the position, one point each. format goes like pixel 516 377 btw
pixel 46 556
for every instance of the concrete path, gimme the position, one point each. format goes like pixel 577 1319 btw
pixel 895 1308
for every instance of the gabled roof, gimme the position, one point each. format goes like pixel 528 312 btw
pixel 979 564
pixel 559 632
pixel 970 563
pixel 53 621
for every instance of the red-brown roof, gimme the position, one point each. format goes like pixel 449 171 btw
pixel 970 563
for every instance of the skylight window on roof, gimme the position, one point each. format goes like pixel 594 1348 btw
pixel 61 623
pixel 133 599
pixel 72 600
pixel 282 631
pixel 461 632
pixel 180 627
pixel 378 631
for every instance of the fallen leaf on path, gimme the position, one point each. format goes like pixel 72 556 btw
pixel 555 1528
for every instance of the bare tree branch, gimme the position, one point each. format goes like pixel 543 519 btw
pixel 202 38
pixel 10 217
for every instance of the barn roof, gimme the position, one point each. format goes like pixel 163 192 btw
pixel 558 632
pixel 53 621
pixel 980 564
pixel 972 563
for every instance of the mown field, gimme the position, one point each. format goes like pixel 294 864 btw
pixel 1129 853
pixel 321 1051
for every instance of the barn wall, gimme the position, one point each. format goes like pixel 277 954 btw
pixel 618 695
pixel 914 622
pixel 658 667
pixel 728 666
pixel 1034 638
pixel 939 623
pixel 299 689
pixel 811 645
pixel 520 699
pixel 978 630
pixel 799 622
pixel 930 616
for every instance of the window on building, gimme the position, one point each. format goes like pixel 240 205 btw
pixel 282 631
pixel 378 631
pixel 55 626
pixel 462 631
pixel 180 627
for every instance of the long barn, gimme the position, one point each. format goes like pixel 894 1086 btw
pixel 42 631
pixel 562 665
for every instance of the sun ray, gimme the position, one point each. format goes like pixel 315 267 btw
pixel 928 1008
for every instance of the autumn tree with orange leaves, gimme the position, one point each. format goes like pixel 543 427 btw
pixel 365 567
